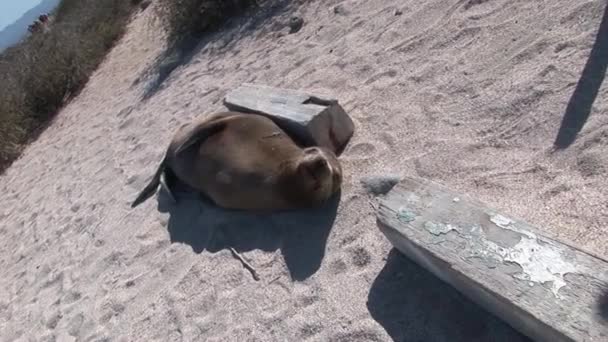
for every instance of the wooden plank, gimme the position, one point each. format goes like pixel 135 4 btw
pixel 544 288
pixel 309 119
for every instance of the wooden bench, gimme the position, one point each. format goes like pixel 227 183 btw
pixel 309 119
pixel 544 288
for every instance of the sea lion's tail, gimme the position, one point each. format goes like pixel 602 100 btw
pixel 152 186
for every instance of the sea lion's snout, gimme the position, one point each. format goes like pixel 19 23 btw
pixel 322 171
pixel 318 170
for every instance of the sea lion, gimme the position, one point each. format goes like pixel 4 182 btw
pixel 246 161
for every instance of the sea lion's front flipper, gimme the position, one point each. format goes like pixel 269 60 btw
pixel 200 133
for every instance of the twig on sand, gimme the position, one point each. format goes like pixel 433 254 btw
pixel 372 204
pixel 247 265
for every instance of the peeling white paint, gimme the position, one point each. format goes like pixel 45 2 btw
pixel 501 221
pixel 507 223
pixel 540 263
pixel 476 230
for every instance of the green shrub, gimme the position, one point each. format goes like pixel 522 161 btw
pixel 47 68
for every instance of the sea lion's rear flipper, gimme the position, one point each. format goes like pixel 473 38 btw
pixel 200 133
pixel 167 181
pixel 152 186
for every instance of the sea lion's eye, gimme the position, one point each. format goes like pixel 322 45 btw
pixel 311 150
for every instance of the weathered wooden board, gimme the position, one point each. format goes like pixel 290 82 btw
pixel 544 288
pixel 306 117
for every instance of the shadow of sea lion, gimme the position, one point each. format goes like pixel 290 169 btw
pixel 301 235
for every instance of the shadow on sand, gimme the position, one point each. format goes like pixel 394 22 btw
pixel 579 107
pixel 252 20
pixel 603 305
pixel 413 305
pixel 300 235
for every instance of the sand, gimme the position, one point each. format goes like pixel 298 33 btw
pixel 467 93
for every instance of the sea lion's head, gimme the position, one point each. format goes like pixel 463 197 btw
pixel 318 174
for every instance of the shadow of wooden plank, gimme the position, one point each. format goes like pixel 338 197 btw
pixel 413 305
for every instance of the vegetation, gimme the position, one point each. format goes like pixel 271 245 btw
pixel 186 19
pixel 49 67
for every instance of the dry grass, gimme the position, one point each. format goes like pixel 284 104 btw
pixel 185 19
pixel 46 69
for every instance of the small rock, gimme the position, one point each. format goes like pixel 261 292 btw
pixel 339 9
pixel 398 12
pixel 379 185
pixel 295 24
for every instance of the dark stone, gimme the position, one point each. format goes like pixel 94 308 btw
pixel 295 24
pixel 379 185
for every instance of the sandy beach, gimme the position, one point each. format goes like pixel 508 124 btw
pixel 468 93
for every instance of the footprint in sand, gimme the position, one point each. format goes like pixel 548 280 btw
pixel 385 74
pixel 53 319
pixel 338 266
pixel 590 164
pixel 304 301
pixel 360 257
pixel 472 3
pixel 125 112
pixel 48 338
pixel 110 311
pixel 362 150
pixel 347 240
pixel 363 335
pixel 388 139
pixel 310 330
pixel 125 123
pixel 71 297
pixel 75 324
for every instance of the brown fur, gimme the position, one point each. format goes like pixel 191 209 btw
pixel 245 161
